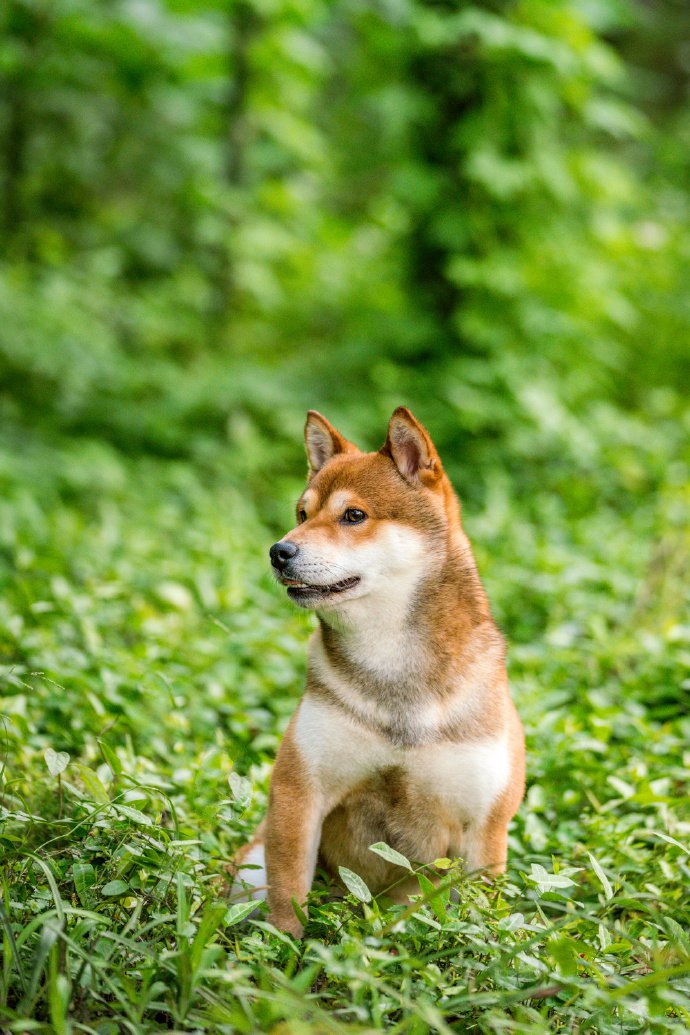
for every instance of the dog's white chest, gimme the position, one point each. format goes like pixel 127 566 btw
pixel 466 778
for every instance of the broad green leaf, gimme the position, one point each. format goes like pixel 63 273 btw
pixel 546 881
pixel 238 912
pixel 678 934
pixel 565 953
pixel 355 884
pixel 93 785
pixel 133 814
pixel 114 888
pixel 57 761
pixel 429 921
pixel 390 854
pixel 110 757
pixel 433 897
pixel 672 841
pixel 84 877
pixel 241 789
pixel 512 922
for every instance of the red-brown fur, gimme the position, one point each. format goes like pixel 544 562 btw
pixel 458 671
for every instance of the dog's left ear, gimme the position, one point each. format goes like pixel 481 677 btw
pixel 411 449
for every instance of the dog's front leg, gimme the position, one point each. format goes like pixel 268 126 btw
pixel 293 833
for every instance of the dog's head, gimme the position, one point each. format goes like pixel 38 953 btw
pixel 369 524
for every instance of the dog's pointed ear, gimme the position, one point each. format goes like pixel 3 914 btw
pixel 410 447
pixel 323 442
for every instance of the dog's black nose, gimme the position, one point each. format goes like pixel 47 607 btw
pixel 281 553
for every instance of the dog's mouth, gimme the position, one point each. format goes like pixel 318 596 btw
pixel 303 592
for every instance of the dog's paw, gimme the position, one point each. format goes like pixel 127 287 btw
pixel 288 923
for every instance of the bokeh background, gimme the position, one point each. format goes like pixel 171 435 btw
pixel 215 214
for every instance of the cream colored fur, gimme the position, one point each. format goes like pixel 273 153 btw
pixel 406 730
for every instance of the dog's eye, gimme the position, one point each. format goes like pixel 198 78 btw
pixel 301 516
pixel 352 516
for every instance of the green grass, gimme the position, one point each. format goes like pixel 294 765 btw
pixel 141 634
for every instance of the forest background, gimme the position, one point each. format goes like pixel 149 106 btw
pixel 215 214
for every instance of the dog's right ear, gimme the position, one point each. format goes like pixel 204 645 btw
pixel 323 442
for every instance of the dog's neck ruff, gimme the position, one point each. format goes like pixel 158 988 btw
pixel 387 663
pixel 451 703
pixel 398 637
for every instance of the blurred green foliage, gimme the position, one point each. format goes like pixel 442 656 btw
pixel 216 213
pixel 213 215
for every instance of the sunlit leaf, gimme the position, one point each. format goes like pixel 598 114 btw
pixel 355 884
pixel 57 761
pixel 390 855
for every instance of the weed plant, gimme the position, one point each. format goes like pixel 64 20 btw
pixel 149 667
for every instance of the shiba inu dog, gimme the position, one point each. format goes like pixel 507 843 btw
pixel 406 732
